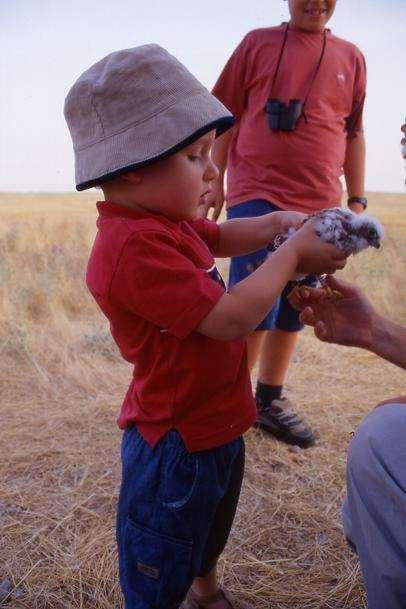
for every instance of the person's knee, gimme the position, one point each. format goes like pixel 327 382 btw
pixel 398 400
pixel 378 440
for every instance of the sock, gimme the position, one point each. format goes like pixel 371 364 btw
pixel 264 394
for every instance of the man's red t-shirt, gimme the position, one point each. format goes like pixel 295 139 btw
pixel 297 170
pixel 155 280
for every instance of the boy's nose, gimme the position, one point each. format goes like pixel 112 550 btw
pixel 211 172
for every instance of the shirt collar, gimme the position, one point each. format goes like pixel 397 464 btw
pixel 110 209
pixel 299 30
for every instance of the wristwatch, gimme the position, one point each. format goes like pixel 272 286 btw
pixel 362 200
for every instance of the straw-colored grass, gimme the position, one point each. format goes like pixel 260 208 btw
pixel 62 382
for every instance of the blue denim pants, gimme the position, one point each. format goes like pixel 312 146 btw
pixel 174 515
pixel 374 511
pixel 282 316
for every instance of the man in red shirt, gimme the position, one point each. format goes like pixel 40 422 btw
pixel 274 165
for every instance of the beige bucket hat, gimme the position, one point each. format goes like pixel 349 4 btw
pixel 133 108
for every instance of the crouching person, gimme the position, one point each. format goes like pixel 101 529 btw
pixel 374 511
pixel 142 128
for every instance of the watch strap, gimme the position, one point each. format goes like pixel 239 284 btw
pixel 362 200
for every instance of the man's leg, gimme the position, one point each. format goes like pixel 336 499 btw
pixel 254 346
pixel 242 266
pixel 275 413
pixel 374 513
pixel 276 353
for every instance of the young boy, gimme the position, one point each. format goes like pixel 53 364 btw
pixel 142 128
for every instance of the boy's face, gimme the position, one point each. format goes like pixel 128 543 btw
pixel 176 186
pixel 311 15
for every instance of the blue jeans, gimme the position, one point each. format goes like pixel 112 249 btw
pixel 374 512
pixel 174 515
pixel 282 316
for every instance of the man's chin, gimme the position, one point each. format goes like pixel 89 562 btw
pixel 314 24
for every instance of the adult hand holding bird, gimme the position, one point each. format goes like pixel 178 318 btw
pixel 340 314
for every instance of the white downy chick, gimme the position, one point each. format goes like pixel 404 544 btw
pixel 349 232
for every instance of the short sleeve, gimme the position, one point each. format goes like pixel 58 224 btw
pixel 157 282
pixel 354 124
pixel 208 231
pixel 230 87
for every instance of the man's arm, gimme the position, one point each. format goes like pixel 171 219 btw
pixel 389 341
pixel 354 169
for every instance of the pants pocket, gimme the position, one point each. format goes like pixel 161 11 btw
pixel 181 479
pixel 157 566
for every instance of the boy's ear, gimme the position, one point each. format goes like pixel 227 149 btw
pixel 134 177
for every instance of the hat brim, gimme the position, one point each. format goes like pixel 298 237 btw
pixel 156 139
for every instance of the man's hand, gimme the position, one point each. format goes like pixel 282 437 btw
pixel 342 315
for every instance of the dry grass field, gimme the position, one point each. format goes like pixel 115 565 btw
pixel 62 382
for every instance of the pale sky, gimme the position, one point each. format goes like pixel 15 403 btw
pixel 45 45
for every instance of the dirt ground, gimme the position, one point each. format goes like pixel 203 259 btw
pixel 62 383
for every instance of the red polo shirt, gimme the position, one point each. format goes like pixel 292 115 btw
pixel 297 170
pixel 155 280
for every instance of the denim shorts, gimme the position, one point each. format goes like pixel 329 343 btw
pixel 282 316
pixel 174 516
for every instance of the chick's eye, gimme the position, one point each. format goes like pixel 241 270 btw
pixel 372 233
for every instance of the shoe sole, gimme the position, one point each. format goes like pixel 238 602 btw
pixel 285 436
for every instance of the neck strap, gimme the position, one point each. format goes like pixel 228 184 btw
pixel 281 52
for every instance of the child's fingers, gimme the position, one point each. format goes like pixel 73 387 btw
pixel 203 209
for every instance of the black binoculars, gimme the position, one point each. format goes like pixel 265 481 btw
pixel 281 116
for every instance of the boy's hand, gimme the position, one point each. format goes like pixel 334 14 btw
pixel 214 199
pixel 314 256
pixel 282 221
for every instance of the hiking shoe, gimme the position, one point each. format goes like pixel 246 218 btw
pixel 222 599
pixel 279 420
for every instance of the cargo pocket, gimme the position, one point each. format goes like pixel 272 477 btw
pixel 157 566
